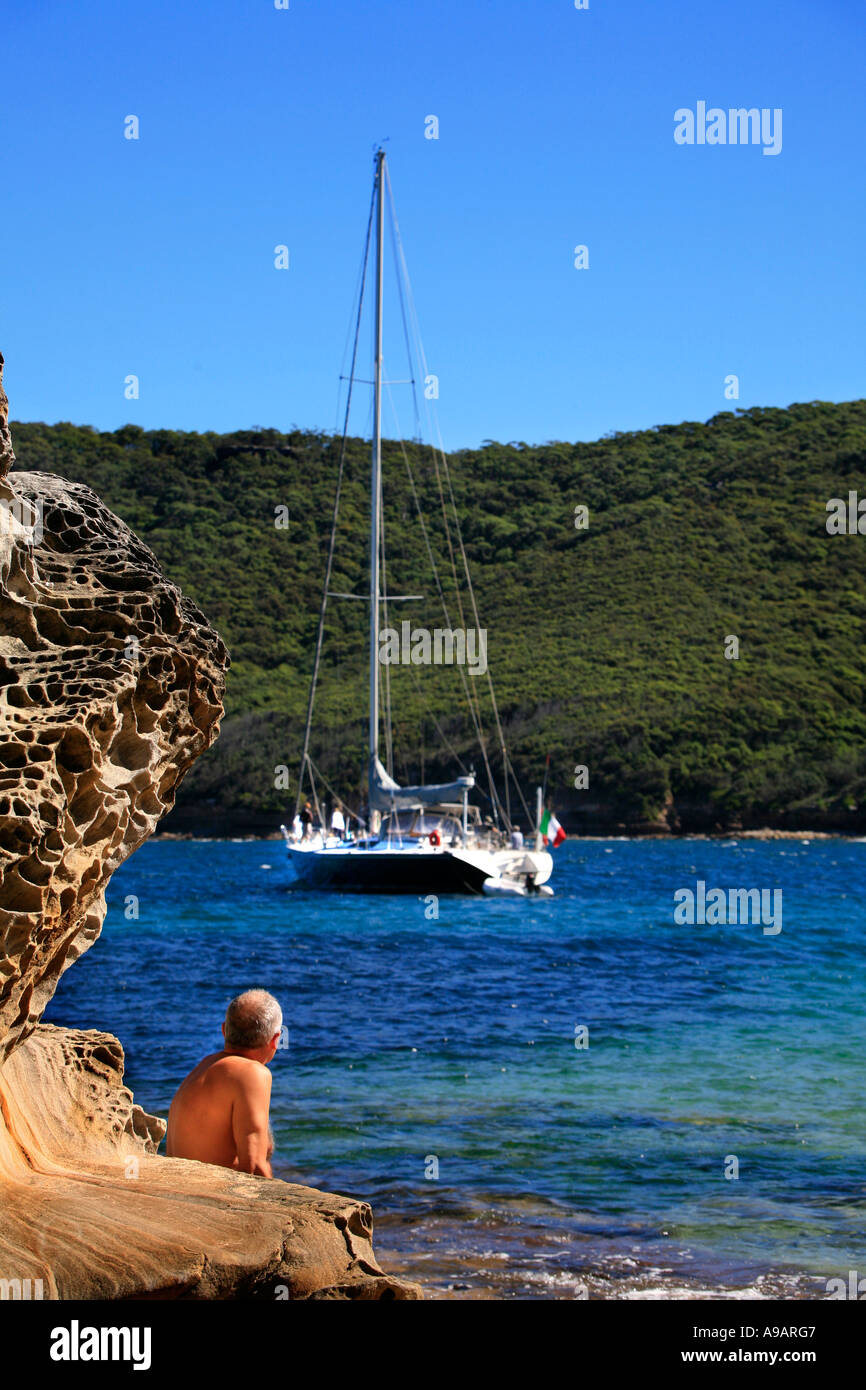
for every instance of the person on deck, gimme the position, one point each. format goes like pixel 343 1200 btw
pixel 338 821
pixel 220 1112
pixel 517 838
pixel 307 820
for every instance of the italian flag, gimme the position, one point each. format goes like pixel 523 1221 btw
pixel 551 830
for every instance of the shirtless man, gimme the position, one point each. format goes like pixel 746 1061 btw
pixel 220 1112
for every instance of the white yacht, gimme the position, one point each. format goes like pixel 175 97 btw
pixel 411 839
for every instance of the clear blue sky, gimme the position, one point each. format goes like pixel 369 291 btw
pixel 155 257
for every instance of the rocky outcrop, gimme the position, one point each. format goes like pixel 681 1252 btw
pixel 7 457
pixel 110 686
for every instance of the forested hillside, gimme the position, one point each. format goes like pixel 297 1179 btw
pixel 606 644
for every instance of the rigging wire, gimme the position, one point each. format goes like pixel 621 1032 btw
pixel 305 756
pixel 474 713
pixel 318 808
pixel 322 778
pixel 389 747
pixel 438 451
pixel 471 700
pixel 352 324
pixel 395 249
pixel 438 727
pixel 437 455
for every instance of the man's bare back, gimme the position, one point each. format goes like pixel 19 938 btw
pixel 220 1112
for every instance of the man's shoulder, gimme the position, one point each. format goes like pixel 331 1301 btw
pixel 244 1071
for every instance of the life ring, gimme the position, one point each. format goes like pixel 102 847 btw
pixel 435 838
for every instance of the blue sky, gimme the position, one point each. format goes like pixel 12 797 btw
pixel 155 257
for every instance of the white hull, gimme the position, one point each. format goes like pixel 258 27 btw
pixel 418 867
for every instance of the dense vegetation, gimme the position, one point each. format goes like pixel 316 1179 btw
pixel 607 645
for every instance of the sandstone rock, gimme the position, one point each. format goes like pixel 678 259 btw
pixel 7 457
pixel 111 685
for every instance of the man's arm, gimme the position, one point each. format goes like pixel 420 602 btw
pixel 250 1119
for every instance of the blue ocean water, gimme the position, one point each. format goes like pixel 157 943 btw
pixel 432 1066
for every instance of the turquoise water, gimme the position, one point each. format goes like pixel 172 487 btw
pixel 559 1168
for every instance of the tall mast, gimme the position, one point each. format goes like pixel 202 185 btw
pixel 376 483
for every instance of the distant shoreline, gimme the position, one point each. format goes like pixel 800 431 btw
pixel 767 833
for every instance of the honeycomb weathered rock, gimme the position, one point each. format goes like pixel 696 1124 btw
pixel 110 686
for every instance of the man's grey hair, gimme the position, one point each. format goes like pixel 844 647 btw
pixel 252 1019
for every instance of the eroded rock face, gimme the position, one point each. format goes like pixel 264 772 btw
pixel 7 457
pixel 111 685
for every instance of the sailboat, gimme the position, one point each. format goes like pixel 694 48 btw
pixel 425 839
